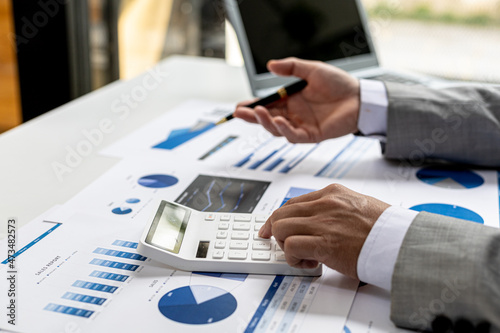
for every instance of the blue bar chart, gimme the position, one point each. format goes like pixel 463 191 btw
pixel 343 162
pixel 103 281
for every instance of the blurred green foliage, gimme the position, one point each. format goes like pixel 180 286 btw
pixel 424 12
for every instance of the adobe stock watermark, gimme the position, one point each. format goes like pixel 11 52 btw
pixel 74 155
pixel 31 26
pixel 384 16
pixel 127 102
pixel 427 147
pixel 449 293
pixel 121 107
pixel 360 40
pixel 12 272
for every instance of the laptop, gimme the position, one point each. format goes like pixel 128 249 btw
pixel 333 31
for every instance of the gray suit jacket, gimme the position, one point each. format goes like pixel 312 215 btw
pixel 460 124
pixel 445 266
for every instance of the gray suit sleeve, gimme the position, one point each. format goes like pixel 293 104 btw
pixel 459 124
pixel 450 267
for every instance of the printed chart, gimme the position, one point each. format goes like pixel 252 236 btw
pixel 178 130
pixel 218 147
pixel 295 192
pixel 328 159
pixel 197 304
pixel 220 194
pixel 449 210
pixel 180 136
pixel 344 161
pixel 108 262
pixel 126 207
pixel 158 181
pixel 275 154
pixel 450 178
pixel 284 306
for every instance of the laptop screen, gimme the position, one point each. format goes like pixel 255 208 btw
pixel 323 30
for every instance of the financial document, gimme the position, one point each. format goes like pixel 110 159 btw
pixel 86 275
pixel 237 146
pixel 79 269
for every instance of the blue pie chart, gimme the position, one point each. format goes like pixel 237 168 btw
pixel 158 181
pixel 450 178
pixel 449 210
pixel 122 210
pixel 197 305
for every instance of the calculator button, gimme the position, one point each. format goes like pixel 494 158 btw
pixel 280 256
pixel 241 226
pixel 223 226
pixel 256 237
pixel 240 235
pixel 257 227
pixel 239 255
pixel 210 217
pixel 220 244
pixel 218 254
pixel 260 219
pixel 261 256
pixel 243 218
pixel 221 234
pixel 238 245
pixel 225 217
pixel 262 245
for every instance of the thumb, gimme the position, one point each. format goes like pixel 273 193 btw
pixel 291 67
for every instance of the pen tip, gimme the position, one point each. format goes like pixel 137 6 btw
pixel 222 121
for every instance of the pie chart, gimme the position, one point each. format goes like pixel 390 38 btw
pixel 450 178
pixel 157 181
pixel 122 210
pixel 197 305
pixel 449 210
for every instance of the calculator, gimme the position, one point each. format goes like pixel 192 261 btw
pixel 191 240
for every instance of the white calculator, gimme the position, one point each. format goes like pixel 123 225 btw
pixel 190 240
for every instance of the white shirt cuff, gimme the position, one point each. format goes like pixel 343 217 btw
pixel 381 248
pixel 372 118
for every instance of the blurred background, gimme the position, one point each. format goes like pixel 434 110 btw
pixel 52 51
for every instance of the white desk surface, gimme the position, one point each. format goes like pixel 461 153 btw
pixel 28 183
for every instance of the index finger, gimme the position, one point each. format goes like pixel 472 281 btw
pixel 246 114
pixel 311 196
pixel 265 230
pixel 283 212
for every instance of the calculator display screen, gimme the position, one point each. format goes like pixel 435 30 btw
pixel 168 227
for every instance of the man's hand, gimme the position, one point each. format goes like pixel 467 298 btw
pixel 327 108
pixel 328 226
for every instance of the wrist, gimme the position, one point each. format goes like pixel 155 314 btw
pixel 376 261
pixel 354 106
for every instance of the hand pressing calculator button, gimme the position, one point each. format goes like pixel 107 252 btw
pixel 191 240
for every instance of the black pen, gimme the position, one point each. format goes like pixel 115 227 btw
pixel 280 94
